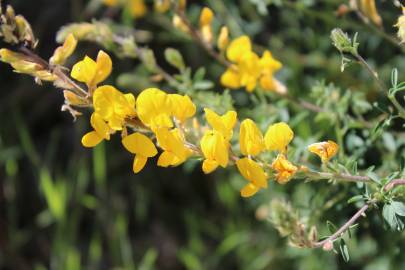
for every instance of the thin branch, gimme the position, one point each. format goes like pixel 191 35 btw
pixel 345 226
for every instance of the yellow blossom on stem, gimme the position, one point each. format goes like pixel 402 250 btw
pixel 325 150
pixel 284 169
pixel 172 142
pixel 113 106
pixel 137 8
pixel 154 108
pixel 246 68
pixel 250 138
pixel 63 52
pixel 22 64
pixel 206 18
pixel 142 147
pixel 278 136
pixel 223 124
pixel 182 107
pixel 215 150
pixel 101 131
pixel 92 72
pixel 223 38
pixel 254 173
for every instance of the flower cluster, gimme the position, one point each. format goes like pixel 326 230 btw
pixel 247 68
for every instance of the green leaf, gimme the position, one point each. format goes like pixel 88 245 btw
pixel 355 199
pixel 394 77
pixel 389 216
pixel 331 227
pixel 174 58
pixel 399 208
pixel 344 250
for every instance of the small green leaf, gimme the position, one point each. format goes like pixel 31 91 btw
pixel 344 250
pixel 355 199
pixel 174 57
pixel 394 77
pixel 331 227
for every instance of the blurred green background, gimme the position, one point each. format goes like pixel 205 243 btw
pixel 66 207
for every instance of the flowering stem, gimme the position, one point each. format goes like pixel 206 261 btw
pixel 56 71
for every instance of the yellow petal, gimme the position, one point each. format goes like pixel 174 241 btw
pixel 182 107
pixel 167 159
pixel 209 166
pixel 249 190
pixel 223 124
pixel 101 127
pixel 268 63
pixel 238 47
pixel 267 83
pixel 284 169
pixel 252 172
pixel 206 16
pixel 139 144
pixel 214 147
pixel 84 70
pixel 63 52
pixel 369 9
pixel 231 78
pixel 91 139
pixel 229 119
pixel 139 163
pixel 223 38
pixel 154 108
pixel 325 150
pixel 250 138
pixel 278 136
pixel 103 67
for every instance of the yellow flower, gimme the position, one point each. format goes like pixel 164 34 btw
pixel 223 38
pixel 154 108
pixel 268 66
pixel 137 8
pixel 254 173
pixel 250 138
pixel 113 106
pixel 101 131
pixel 182 107
pixel 162 6
pixel 142 147
pixel 92 72
pixel 401 26
pixel 63 52
pixel 110 3
pixel 369 9
pixel 325 150
pixel 246 70
pixel 172 142
pixel 278 136
pixel 215 150
pixel 223 124
pixel 284 169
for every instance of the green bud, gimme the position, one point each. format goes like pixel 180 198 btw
pixel 174 57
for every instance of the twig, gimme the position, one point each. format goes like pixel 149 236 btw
pixel 345 226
